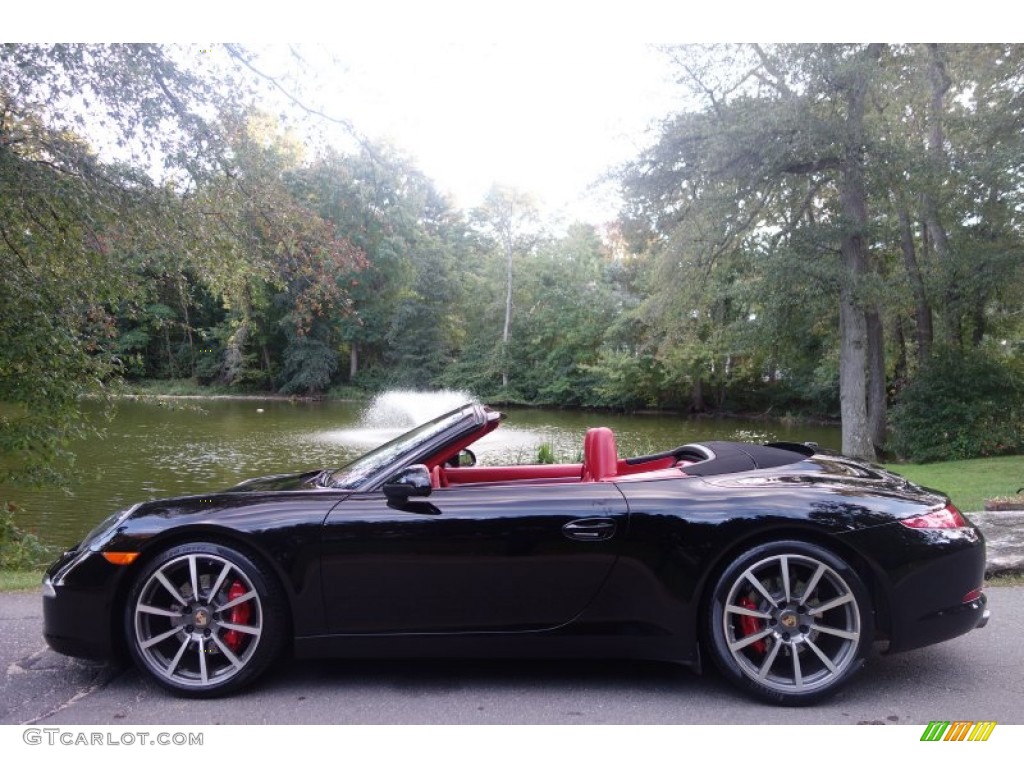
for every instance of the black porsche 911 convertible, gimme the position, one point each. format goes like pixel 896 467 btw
pixel 784 564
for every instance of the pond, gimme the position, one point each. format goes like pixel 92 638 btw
pixel 172 447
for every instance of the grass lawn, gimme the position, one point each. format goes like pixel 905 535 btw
pixel 968 483
pixel 15 581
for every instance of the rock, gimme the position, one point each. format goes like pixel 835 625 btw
pixel 1004 537
pixel 1004 503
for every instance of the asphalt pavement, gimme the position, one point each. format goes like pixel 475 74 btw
pixel 975 677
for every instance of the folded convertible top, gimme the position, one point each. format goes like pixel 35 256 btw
pixel 723 458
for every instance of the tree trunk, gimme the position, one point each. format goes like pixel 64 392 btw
pixel 234 357
pixel 170 354
pixel 980 324
pixel 853 362
pixel 508 314
pixel 899 376
pixel 877 395
pixel 188 328
pixel 939 166
pixel 940 84
pixel 922 309
pixel 353 361
pixel 854 339
pixel 697 404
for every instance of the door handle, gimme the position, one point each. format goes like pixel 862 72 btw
pixel 590 529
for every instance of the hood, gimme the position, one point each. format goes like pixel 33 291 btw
pixel 295 481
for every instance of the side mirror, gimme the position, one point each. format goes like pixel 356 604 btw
pixel 414 480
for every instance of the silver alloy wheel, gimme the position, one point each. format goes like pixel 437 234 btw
pixel 792 624
pixel 198 620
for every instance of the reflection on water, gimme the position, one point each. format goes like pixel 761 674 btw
pixel 194 446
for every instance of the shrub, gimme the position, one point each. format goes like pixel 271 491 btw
pixel 19 550
pixel 960 406
pixel 545 454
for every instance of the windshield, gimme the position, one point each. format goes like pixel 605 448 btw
pixel 353 475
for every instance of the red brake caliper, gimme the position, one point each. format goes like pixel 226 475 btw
pixel 748 624
pixel 240 615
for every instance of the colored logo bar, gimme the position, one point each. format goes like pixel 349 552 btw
pixel 958 730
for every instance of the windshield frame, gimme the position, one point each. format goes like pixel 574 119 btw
pixel 411 447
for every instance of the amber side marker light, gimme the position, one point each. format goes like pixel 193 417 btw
pixel 120 558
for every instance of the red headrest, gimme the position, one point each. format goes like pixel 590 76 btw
pixel 600 456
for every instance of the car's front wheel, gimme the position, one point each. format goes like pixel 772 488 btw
pixel 204 619
pixel 789 622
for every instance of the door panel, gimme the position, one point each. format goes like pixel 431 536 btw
pixel 470 558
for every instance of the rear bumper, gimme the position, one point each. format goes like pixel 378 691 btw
pixel 941 625
pixel 928 583
pixel 940 598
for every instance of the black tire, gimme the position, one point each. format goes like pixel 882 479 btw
pixel 767 632
pixel 204 620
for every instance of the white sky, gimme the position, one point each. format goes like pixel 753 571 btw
pixel 548 119
pixel 543 95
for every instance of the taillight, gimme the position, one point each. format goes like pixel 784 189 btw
pixel 943 517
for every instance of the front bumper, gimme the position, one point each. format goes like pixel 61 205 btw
pixel 79 605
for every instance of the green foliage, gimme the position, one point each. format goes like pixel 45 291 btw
pixel 260 264
pixel 75 231
pixel 738 210
pixel 545 454
pixel 19 550
pixel 962 405
pixel 349 392
pixel 155 388
pixel 57 281
pixel 629 380
pixel 309 364
pixel 209 359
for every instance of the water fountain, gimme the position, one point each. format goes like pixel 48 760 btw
pixel 393 412
pixel 405 408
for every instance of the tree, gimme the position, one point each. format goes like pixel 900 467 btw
pixel 81 236
pixel 398 329
pixel 882 175
pixel 776 158
pixel 509 219
pixel 564 294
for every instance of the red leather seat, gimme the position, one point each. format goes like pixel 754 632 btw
pixel 600 456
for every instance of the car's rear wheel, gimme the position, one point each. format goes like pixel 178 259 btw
pixel 204 619
pixel 789 622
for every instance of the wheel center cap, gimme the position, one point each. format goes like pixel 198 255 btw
pixel 201 618
pixel 788 620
